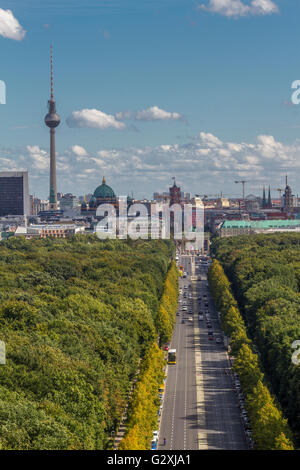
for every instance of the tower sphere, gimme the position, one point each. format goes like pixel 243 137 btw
pixel 52 120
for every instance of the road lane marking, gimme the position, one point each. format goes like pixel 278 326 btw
pixel 185 396
pixel 201 417
pixel 175 389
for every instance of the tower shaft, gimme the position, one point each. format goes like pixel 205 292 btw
pixel 53 188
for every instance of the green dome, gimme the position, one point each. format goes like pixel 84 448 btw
pixel 104 191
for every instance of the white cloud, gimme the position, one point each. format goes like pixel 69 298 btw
pixel 238 8
pixel 123 115
pixel 94 118
pixel 108 154
pixel 79 151
pixel 209 140
pixel 154 113
pixel 39 158
pixel 205 164
pixel 10 27
pixel 97 119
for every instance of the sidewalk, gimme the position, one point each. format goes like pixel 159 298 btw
pixel 122 428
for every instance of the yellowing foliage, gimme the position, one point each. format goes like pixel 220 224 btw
pixel 142 416
pixel 269 429
pixel 143 409
pixel 167 312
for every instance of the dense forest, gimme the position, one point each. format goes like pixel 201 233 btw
pixel 269 428
pixel 76 316
pixel 264 271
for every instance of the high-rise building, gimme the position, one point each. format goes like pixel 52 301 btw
pixel 175 197
pixel 52 120
pixel 14 193
pixel 288 203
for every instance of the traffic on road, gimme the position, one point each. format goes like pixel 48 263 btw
pixel 200 406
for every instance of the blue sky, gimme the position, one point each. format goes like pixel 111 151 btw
pixel 178 88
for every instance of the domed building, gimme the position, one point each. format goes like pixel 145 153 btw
pixel 103 194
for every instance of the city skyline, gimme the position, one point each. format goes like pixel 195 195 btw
pixel 172 122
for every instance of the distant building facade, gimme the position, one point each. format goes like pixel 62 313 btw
pixel 14 193
pixel 288 201
pixel 231 228
pixel 175 194
pixel 68 202
pixel 46 231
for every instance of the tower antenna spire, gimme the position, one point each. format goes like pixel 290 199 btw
pixel 51 66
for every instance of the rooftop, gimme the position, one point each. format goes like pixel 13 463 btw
pixel 261 224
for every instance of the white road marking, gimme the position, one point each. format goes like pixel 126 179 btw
pixel 185 396
pixel 174 398
pixel 201 418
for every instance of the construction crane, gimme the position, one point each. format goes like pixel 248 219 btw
pixel 220 195
pixel 243 183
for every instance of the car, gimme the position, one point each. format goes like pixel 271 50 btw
pixel 182 321
pixel 211 338
pixel 190 318
pixel 178 313
pixel 166 348
pixel 218 340
pixel 200 317
pixel 154 444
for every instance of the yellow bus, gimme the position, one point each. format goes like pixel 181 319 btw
pixel 172 356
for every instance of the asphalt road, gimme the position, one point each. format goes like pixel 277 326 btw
pixel 200 408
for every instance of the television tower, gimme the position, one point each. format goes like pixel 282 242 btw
pixel 52 120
